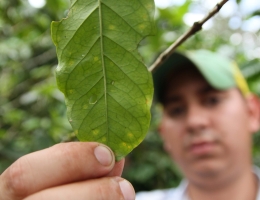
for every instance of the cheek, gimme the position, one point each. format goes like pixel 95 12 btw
pixel 171 133
pixel 233 118
pixel 232 124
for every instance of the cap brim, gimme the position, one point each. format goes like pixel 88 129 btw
pixel 214 68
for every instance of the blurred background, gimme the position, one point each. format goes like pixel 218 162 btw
pixel 32 110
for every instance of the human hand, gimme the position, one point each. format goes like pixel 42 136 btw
pixel 67 171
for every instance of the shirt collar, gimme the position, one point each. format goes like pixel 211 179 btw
pixel 182 188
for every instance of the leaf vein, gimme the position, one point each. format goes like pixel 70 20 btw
pixel 89 112
pixel 72 107
pixel 103 63
pixel 77 29
pixel 126 75
pixel 121 17
pixel 78 64
pixel 126 110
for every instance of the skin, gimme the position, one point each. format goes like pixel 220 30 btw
pixel 80 170
pixel 66 171
pixel 207 132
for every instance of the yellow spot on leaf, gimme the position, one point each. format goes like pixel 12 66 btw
pixel 149 6
pixel 96 58
pixel 148 101
pixel 111 27
pixel 141 27
pixel 145 17
pixel 85 106
pixel 71 62
pixel 96 132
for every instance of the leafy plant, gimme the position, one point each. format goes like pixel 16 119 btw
pixel 108 89
pixel 32 111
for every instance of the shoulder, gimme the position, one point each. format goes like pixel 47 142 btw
pixel 153 195
pixel 256 170
pixel 165 194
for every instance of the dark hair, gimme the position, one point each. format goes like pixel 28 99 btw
pixel 169 76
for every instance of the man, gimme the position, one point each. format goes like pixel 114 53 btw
pixel 208 120
pixel 207 123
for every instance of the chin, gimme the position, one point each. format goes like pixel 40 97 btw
pixel 207 168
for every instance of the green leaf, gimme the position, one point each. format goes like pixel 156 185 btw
pixel 108 89
pixel 256 13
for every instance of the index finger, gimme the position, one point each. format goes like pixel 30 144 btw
pixel 57 165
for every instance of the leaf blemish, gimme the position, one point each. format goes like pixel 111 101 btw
pixel 97 50
pixel 93 99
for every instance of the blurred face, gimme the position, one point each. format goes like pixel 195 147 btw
pixel 206 131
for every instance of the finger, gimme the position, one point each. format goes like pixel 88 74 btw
pixel 117 169
pixel 97 189
pixel 58 165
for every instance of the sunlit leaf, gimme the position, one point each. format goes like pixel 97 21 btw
pixel 108 89
pixel 256 13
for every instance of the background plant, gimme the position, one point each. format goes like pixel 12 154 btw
pixel 32 110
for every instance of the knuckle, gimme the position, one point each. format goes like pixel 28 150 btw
pixel 78 159
pixel 70 154
pixel 70 150
pixel 16 182
pixel 109 190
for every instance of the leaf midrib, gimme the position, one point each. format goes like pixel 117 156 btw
pixel 103 63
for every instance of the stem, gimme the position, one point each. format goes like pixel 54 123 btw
pixel 197 26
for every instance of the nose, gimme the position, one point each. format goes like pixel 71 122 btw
pixel 197 119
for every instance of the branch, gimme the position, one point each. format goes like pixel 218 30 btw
pixel 41 59
pixel 197 26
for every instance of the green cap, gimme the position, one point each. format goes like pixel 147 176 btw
pixel 220 72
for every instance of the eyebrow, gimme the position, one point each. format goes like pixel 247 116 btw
pixel 172 99
pixel 201 91
pixel 207 89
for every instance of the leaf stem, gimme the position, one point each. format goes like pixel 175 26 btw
pixel 102 60
pixel 197 26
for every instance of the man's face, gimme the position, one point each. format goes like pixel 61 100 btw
pixel 206 131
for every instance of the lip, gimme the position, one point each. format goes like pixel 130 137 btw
pixel 201 148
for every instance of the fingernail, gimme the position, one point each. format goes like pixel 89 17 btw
pixel 103 155
pixel 127 190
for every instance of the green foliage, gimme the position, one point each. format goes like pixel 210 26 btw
pixel 32 110
pixel 32 114
pixel 148 166
pixel 256 13
pixel 108 89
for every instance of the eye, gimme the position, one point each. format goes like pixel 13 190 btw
pixel 176 111
pixel 213 100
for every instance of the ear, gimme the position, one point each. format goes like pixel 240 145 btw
pixel 160 128
pixel 253 103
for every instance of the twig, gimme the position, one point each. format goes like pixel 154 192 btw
pixel 197 26
pixel 41 59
